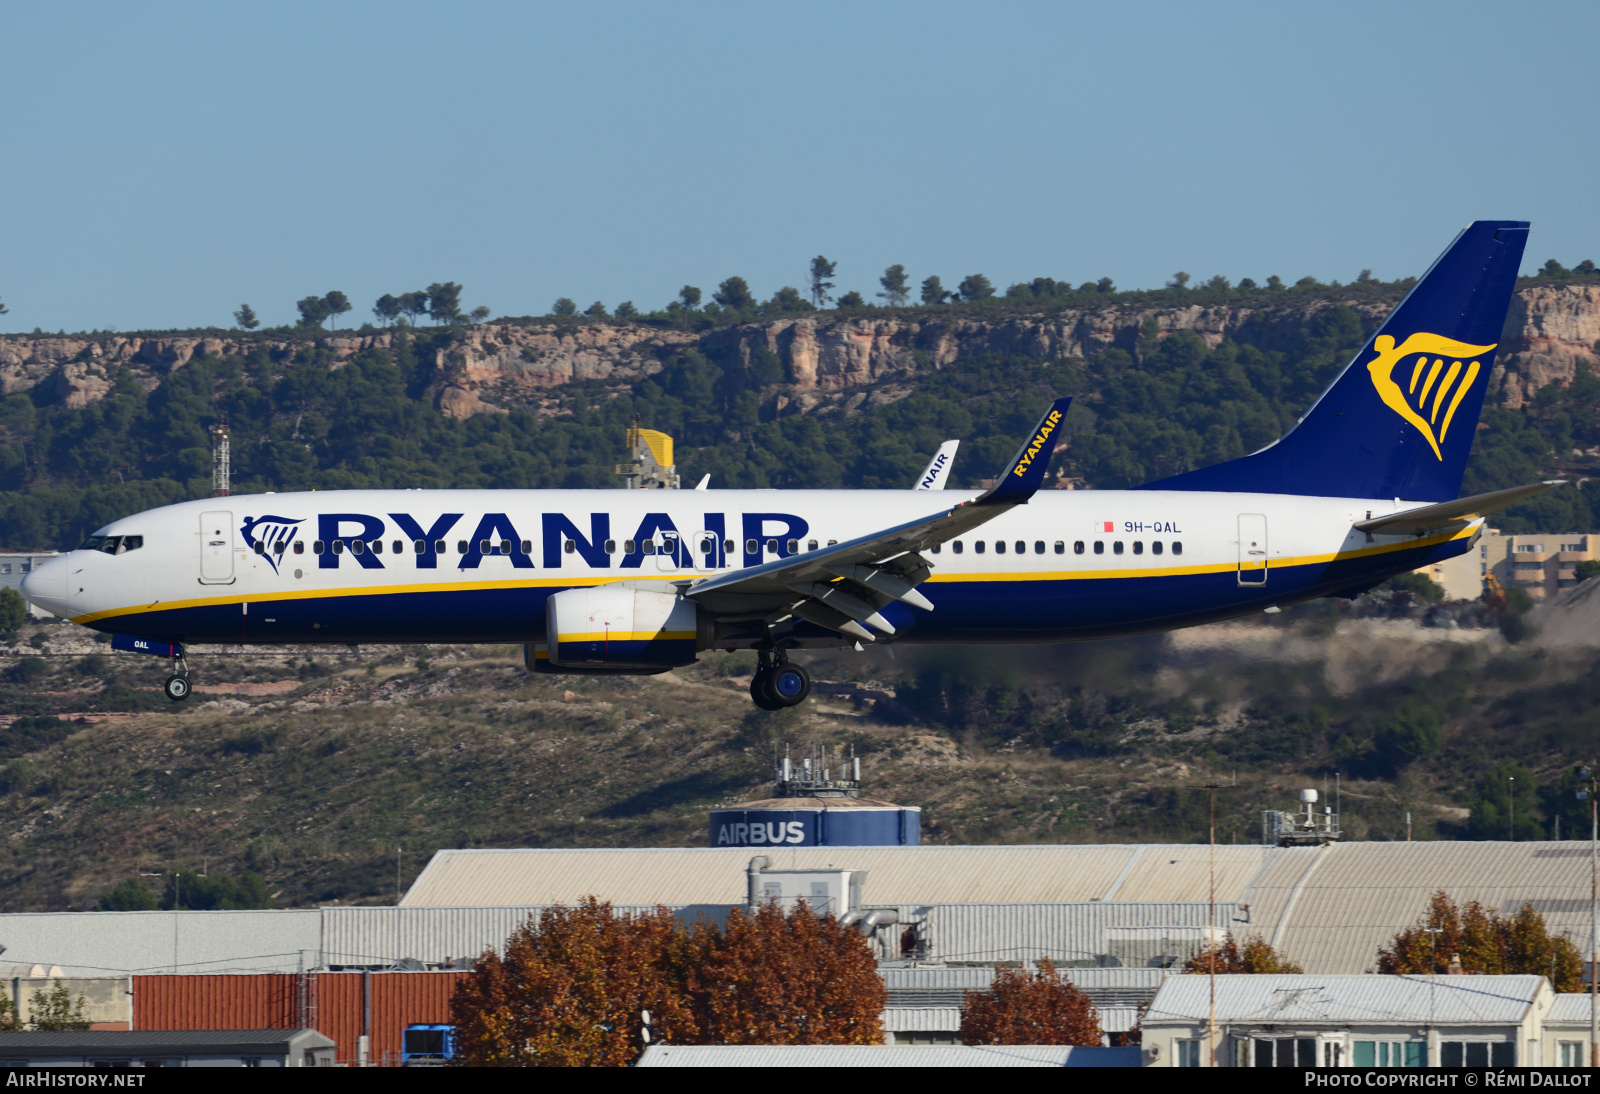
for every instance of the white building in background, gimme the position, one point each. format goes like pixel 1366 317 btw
pixel 1352 1021
pixel 14 566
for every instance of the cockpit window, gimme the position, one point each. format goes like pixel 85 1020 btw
pixel 112 545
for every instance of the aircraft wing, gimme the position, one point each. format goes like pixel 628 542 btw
pixel 847 585
pixel 937 472
pixel 1451 514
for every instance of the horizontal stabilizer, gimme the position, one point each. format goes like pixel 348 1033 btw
pixel 1449 514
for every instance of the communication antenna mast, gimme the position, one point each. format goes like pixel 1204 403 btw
pixel 220 473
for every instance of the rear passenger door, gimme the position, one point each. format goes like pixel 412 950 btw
pixel 1252 549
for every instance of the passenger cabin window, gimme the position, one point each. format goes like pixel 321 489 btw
pixel 752 546
pixel 398 546
pixel 1099 546
pixel 261 547
pixel 978 546
pixel 569 546
pixel 377 546
pixel 833 543
pixel 957 547
pixel 811 545
pixel 727 546
pixel 647 547
pixel 794 546
pixel 772 546
pixel 611 546
pixel 527 546
pixel 1177 548
pixel 299 547
pixel 1116 547
pixel 1077 547
pixel 1155 548
pixel 937 547
pixel 1038 547
pixel 1022 548
pixel 461 546
pixel 999 546
pixel 1138 546
pixel 483 547
pixel 338 546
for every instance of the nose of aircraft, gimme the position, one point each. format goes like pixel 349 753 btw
pixel 46 586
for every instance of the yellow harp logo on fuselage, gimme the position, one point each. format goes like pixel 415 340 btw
pixel 1426 392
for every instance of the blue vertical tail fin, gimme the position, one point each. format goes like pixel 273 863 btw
pixel 1399 420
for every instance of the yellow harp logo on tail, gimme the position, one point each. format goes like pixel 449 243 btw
pixel 1439 379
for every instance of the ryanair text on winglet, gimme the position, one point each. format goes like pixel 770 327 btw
pixel 1049 427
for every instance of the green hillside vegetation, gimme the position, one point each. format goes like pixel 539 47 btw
pixel 1166 405
pixel 303 788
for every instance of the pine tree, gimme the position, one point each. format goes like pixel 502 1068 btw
pixel 246 317
pixel 895 288
pixel 338 303
pixel 821 279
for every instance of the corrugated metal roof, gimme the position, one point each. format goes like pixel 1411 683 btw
pixel 711 875
pixel 946 1056
pixel 921 1019
pixel 936 978
pixel 382 936
pixel 1319 1000
pixel 1569 1009
pixel 209 1040
pixel 97 943
pixel 1118 994
pixel 1067 932
pixel 1360 894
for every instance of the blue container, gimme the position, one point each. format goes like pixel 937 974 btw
pixel 816 822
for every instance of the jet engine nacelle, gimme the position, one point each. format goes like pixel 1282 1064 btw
pixel 624 627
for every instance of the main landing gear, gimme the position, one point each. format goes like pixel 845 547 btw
pixel 777 683
pixel 177 685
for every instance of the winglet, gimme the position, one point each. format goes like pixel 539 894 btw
pixel 1025 474
pixel 938 470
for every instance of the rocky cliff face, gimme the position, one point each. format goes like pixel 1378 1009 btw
pixel 1549 330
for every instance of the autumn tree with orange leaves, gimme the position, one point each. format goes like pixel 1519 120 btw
pixel 1023 1008
pixel 1257 956
pixel 569 989
pixel 1486 942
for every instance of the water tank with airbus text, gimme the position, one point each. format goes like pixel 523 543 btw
pixel 816 807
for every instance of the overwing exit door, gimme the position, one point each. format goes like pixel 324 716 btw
pixel 1252 549
pixel 216 548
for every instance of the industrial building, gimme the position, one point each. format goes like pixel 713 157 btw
pixel 1329 907
pixel 186 1048
pixel 1353 1021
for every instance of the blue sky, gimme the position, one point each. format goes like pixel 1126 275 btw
pixel 164 162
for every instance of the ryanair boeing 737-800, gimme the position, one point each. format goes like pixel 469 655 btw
pixel 614 581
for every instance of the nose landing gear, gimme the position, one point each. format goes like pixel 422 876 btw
pixel 778 684
pixel 177 685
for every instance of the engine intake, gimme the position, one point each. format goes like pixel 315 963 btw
pixel 624 626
